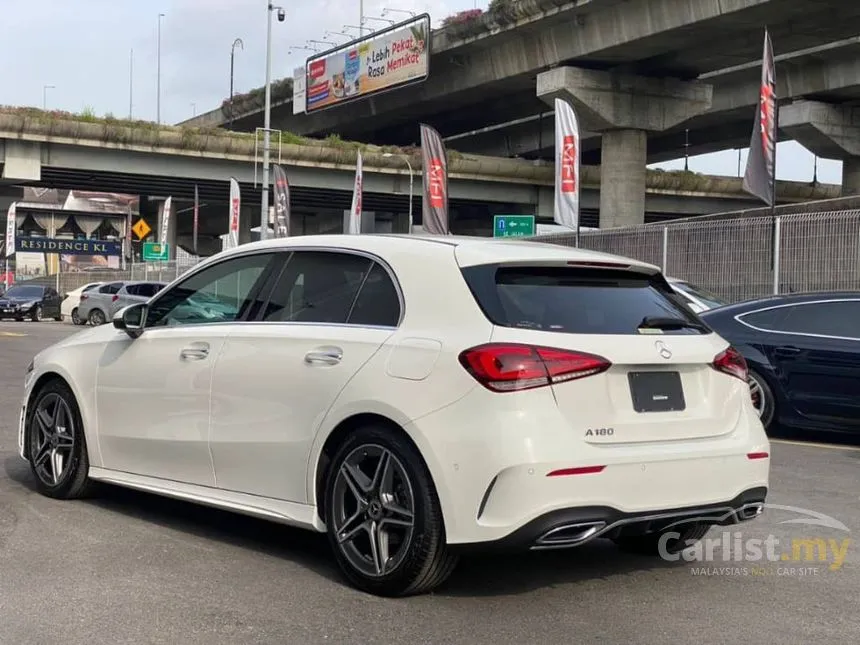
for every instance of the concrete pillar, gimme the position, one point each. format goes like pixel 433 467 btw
pixel 851 176
pixel 368 221
pixel 624 109
pixel 622 177
pixel 249 217
pixel 829 131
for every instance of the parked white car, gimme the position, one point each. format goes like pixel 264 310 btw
pixel 696 297
pixel 71 300
pixel 413 397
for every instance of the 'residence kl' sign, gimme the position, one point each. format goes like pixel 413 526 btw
pixel 67 247
pixel 386 59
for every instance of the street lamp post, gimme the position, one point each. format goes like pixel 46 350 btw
pixel 158 73
pixel 238 42
pixel 411 181
pixel 267 122
pixel 45 89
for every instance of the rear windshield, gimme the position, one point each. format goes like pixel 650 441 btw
pixel 577 300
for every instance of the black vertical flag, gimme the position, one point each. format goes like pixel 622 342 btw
pixel 760 175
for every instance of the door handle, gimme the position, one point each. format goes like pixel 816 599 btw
pixel 324 356
pixel 786 352
pixel 196 352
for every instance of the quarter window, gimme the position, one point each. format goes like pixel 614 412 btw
pixel 377 303
pixel 221 293
pixel 840 318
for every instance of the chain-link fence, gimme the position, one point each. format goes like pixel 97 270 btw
pixel 150 271
pixel 734 258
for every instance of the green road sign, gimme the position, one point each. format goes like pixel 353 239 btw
pixel 513 225
pixel 155 252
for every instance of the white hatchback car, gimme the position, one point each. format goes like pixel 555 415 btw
pixel 412 397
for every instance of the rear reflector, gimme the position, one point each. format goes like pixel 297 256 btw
pixel 731 362
pixel 757 455
pixel 503 367
pixel 583 470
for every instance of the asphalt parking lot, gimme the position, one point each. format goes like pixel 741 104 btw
pixel 132 568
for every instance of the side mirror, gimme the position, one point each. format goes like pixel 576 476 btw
pixel 131 319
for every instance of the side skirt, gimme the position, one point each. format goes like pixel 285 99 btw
pixel 276 510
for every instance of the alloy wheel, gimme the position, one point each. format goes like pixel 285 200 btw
pixel 373 510
pixel 53 439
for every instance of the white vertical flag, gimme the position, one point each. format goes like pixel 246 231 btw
pixel 566 211
pixel 165 219
pixel 11 228
pixel 354 227
pixel 235 210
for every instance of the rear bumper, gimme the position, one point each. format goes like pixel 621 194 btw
pixel 570 527
pixel 491 456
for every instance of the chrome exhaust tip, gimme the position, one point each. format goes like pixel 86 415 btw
pixel 569 535
pixel 751 511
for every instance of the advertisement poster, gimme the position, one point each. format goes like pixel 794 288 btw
pixel 386 59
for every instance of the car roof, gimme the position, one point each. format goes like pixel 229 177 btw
pixel 470 250
pixel 782 299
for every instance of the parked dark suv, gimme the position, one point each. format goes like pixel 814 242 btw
pixel 32 301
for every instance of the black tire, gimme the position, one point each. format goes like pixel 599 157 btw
pixel 58 318
pixel 76 319
pixel 649 544
pixel 422 560
pixel 36 314
pixel 97 317
pixel 766 405
pixel 73 481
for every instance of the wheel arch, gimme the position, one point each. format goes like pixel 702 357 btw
pixel 55 372
pixel 321 458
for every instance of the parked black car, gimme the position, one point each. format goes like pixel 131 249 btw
pixel 803 352
pixel 31 301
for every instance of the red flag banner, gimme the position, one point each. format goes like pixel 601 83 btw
pixel 235 212
pixel 566 211
pixel 760 175
pixel 435 175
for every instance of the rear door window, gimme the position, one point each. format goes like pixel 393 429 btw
pixel 839 319
pixel 575 300
pixel 111 288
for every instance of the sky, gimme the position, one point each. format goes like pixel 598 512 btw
pixel 85 50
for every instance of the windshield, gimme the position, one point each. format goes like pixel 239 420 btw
pixel 707 298
pixel 24 292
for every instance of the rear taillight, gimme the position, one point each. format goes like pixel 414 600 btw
pixel 114 298
pixel 84 297
pixel 731 362
pixel 503 367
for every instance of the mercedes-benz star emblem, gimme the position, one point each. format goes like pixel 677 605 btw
pixel 663 350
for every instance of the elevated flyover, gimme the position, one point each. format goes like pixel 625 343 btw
pixel 139 158
pixel 599 53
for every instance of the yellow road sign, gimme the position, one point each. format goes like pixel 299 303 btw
pixel 141 229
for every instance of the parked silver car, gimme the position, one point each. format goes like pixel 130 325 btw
pixel 99 305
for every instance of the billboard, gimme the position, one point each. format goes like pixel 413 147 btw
pixel 382 61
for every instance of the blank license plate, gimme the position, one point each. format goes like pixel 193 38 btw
pixel 656 391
